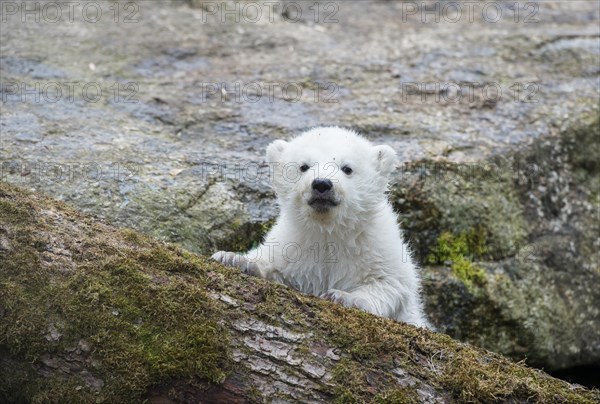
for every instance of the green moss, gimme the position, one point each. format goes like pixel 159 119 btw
pixel 162 326
pixel 12 213
pixel 460 251
pixel 134 237
pixel 141 306
pixel 467 272
pixel 352 386
pixel 350 382
pixel 142 310
pixel 469 374
pixel 397 396
pixel 583 145
pixel 435 197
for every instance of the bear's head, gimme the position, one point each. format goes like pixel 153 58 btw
pixel 330 172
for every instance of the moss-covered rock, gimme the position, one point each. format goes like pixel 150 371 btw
pixel 514 241
pixel 89 312
pixel 477 199
pixel 460 251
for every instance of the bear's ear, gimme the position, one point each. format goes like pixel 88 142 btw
pixel 274 151
pixel 385 159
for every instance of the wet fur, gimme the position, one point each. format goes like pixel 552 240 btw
pixel 352 253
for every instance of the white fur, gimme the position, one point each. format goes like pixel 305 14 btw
pixel 354 252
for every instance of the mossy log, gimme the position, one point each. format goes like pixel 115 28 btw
pixel 92 313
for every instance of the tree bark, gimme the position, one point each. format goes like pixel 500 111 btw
pixel 89 312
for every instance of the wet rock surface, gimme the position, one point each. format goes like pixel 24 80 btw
pixel 136 118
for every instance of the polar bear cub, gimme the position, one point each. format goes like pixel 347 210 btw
pixel 337 236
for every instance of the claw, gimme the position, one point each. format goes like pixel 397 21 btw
pixel 235 260
pixel 217 256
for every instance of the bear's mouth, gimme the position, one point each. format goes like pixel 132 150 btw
pixel 321 204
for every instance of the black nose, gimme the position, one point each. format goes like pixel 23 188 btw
pixel 322 185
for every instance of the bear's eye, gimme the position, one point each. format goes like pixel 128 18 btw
pixel 304 168
pixel 347 170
